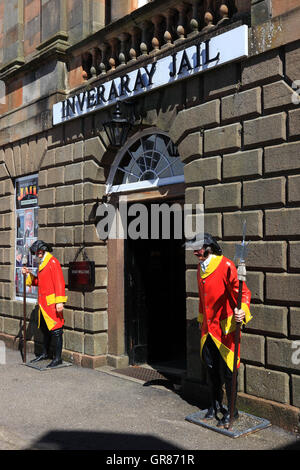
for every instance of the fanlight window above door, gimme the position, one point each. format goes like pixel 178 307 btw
pixel 151 160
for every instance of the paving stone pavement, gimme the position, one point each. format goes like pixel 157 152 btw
pixel 73 408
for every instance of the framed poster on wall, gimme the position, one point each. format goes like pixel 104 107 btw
pixel 26 190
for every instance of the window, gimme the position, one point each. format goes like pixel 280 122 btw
pixel 26 231
pixel 141 3
pixel 148 161
pixel 116 9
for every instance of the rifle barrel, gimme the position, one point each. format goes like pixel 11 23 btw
pixel 24 317
pixel 236 348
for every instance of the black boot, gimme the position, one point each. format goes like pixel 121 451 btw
pixel 216 396
pixel 57 334
pixel 225 421
pixel 215 408
pixel 46 343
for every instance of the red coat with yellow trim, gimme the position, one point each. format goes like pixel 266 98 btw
pixel 218 292
pixel 51 284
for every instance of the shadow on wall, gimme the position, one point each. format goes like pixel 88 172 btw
pixel 86 440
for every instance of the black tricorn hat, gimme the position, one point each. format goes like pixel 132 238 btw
pixel 202 239
pixel 40 245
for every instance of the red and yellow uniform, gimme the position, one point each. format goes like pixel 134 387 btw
pixel 218 292
pixel 51 284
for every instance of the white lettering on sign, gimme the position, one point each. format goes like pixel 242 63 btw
pixel 80 272
pixel 201 57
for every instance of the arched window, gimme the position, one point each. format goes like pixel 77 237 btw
pixel 149 160
pixel 141 3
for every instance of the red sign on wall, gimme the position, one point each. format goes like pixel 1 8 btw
pixel 81 275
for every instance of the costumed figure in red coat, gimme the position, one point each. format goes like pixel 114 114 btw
pixel 51 299
pixel 218 291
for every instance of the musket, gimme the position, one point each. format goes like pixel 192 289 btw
pixel 24 263
pixel 240 254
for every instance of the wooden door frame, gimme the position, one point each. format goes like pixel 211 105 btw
pixel 117 356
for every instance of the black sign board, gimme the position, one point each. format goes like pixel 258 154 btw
pixel 81 275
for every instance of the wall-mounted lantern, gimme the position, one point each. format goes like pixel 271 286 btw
pixel 118 128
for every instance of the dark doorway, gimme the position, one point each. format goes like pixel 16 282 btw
pixel 155 303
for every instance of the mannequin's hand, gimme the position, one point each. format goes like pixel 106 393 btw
pixel 239 315
pixel 59 307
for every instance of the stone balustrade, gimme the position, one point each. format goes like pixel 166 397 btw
pixel 160 29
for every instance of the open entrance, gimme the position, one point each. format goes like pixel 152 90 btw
pixel 147 307
pixel 155 303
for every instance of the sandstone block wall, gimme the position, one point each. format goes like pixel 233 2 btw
pixel 29 23
pixel 39 32
pixel 238 135
pixel 245 166
pixel 71 181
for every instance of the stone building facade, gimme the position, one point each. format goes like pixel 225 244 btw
pixel 236 130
